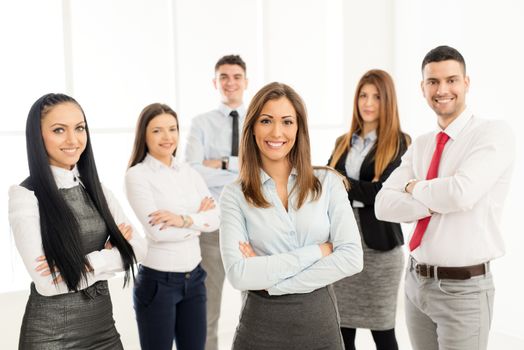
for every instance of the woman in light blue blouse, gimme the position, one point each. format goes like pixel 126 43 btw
pixel 287 231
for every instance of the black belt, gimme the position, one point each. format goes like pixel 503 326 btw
pixel 449 273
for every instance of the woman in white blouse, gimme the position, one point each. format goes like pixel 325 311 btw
pixel 64 224
pixel 287 231
pixel 174 205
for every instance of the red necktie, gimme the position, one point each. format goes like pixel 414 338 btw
pixel 422 224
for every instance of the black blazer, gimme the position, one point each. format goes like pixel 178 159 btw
pixel 379 235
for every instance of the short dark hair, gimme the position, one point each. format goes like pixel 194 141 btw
pixel 231 59
pixel 443 53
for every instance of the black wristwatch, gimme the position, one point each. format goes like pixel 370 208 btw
pixel 225 162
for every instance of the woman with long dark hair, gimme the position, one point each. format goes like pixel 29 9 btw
pixel 174 205
pixel 287 231
pixel 366 156
pixel 71 233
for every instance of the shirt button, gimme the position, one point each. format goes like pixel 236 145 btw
pixel 188 276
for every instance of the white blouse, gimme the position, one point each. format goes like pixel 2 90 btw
pixel 24 219
pixel 152 186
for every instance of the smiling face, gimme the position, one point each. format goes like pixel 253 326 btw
pixel 275 132
pixel 230 80
pixel 445 87
pixel 64 134
pixel 162 137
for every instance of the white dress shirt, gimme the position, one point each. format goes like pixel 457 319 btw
pixel 152 186
pixel 360 147
pixel 24 219
pixel 210 137
pixel 467 196
pixel 286 241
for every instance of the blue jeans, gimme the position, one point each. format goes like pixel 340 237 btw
pixel 170 305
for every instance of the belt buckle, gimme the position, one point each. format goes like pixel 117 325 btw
pixel 418 270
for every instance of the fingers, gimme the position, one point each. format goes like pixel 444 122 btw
pixel 207 203
pixel 126 230
pixel 246 249
pixel 58 279
pixel 42 266
pixel 45 271
pixel 159 218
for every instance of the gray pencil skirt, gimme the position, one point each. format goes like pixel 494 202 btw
pixel 293 321
pixel 79 321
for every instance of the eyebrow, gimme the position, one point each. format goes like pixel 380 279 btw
pixel 169 126
pixel 270 116
pixel 451 76
pixel 65 125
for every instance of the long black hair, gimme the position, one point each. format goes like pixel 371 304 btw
pixel 59 227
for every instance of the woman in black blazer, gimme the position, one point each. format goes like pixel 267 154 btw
pixel 366 156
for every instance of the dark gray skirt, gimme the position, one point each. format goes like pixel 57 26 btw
pixel 369 298
pixel 82 320
pixel 288 322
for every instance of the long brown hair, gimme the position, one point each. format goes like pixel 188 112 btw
pixel 148 113
pixel 299 156
pixel 388 130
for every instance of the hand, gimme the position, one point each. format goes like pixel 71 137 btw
pixel 246 249
pixel 410 186
pixel 207 203
pixel 126 230
pixel 213 163
pixel 326 248
pixel 166 219
pixel 44 270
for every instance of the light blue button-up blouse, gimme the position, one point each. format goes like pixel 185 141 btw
pixel 287 242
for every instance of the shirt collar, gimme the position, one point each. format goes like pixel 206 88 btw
pixel 225 110
pixel 155 164
pixel 264 177
pixel 456 126
pixel 370 137
pixel 65 178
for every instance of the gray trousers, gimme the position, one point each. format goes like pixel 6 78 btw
pixel 212 264
pixel 448 314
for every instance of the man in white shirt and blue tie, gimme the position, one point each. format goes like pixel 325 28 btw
pixel 212 149
pixel 451 184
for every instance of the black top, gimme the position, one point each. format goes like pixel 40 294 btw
pixel 379 235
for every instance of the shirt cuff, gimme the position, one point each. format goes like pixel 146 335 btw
pixel 309 255
pixel 97 262
pixel 233 164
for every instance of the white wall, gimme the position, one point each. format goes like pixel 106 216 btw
pixel 117 56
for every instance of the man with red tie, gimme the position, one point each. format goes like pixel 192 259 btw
pixel 451 184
